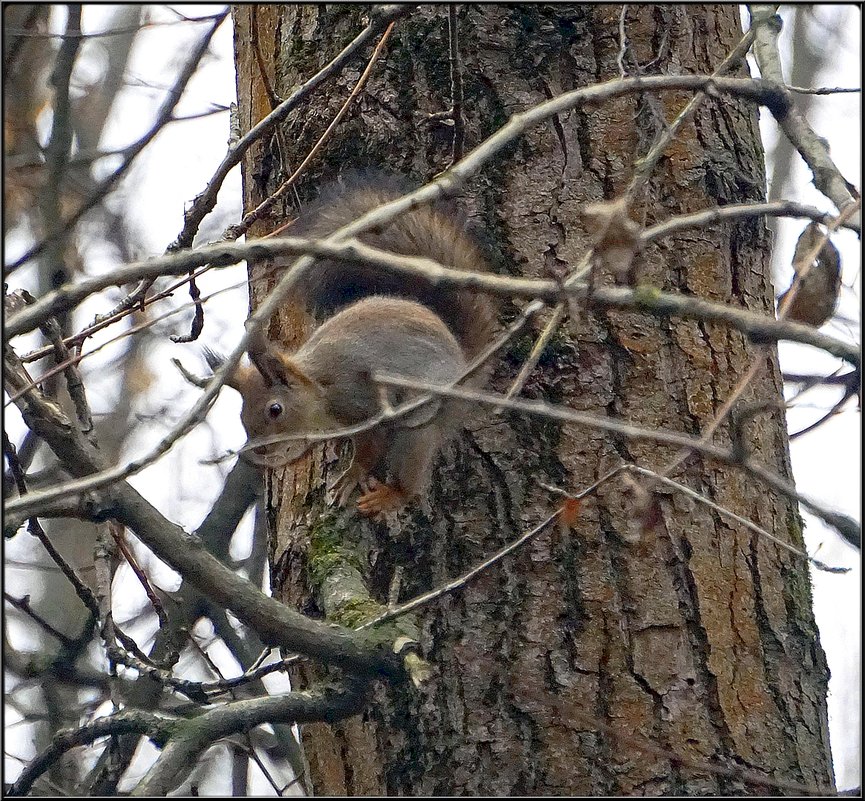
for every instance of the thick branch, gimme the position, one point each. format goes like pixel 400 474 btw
pixel 756 326
pixel 274 622
pixel 190 738
pixel 813 149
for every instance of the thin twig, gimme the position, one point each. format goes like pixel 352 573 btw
pixel 456 113
pixel 848 527
pixel 623 42
pixel 120 31
pixel 849 391
pixel 537 350
pixel 759 360
pixel 81 589
pixel 732 516
pixel 259 211
pixel 23 605
pixel 105 321
pixel 822 90
pixel 74 383
pixel 461 581
pixel 699 219
pixel 827 178
pixel 162 117
pixel 117 533
pixel 80 356
pixel 644 166
pixel 204 203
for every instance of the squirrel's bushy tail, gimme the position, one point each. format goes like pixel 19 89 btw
pixel 433 232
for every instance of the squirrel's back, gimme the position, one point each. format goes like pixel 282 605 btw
pixel 435 232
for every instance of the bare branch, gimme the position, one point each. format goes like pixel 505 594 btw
pixel 130 721
pixel 732 516
pixel 206 201
pixel 162 118
pixel 74 383
pixel 845 525
pixel 823 90
pixel 758 327
pixel 189 739
pixel 456 110
pixel 699 219
pixel 23 606
pixel 812 148
pixel 461 581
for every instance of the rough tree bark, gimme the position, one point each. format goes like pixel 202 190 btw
pixel 698 637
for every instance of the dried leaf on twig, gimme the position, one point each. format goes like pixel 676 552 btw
pixel 616 237
pixel 813 294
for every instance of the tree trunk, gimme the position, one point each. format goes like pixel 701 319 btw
pixel 556 666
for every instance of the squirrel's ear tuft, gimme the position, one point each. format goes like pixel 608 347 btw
pixel 238 378
pixel 266 359
pixel 214 359
pixel 289 370
pixel 275 365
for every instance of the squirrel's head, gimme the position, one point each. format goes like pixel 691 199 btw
pixel 280 404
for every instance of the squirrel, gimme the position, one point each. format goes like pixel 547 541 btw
pixel 374 322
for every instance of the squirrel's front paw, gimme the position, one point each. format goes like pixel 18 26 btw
pixel 380 498
pixel 344 485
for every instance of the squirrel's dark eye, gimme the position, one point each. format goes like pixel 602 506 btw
pixel 274 410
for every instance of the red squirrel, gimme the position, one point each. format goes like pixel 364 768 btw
pixel 375 322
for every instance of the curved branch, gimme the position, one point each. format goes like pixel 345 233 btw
pixel 206 201
pixel 275 623
pixel 130 721
pixel 698 219
pixel 162 118
pixel 845 525
pixel 756 326
pixel 190 738
pixel 813 149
